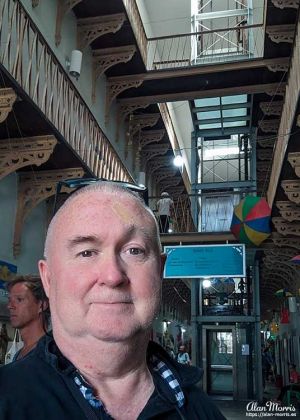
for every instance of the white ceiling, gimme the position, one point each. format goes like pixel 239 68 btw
pixel 165 17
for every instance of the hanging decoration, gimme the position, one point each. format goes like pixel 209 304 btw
pixel 283 293
pixel 251 220
pixel 296 259
pixel 284 316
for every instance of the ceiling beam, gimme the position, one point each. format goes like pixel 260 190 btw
pixel 199 94
pixel 203 69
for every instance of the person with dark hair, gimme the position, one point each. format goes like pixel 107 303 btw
pixel 102 272
pixel 28 311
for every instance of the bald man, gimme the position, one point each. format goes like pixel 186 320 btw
pixel 102 273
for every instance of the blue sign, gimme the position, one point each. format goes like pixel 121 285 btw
pixel 194 261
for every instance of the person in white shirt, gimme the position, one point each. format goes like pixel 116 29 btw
pixel 183 357
pixel 165 206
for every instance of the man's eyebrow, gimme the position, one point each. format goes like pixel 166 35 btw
pixel 78 240
pixel 146 233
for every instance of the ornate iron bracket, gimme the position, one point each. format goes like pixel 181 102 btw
pixel 92 28
pixel 20 152
pixel 34 188
pixel 107 57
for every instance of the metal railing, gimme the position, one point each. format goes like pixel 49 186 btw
pixel 181 219
pixel 26 56
pixel 205 47
pixel 215 211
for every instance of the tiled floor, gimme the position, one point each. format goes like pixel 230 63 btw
pixel 236 410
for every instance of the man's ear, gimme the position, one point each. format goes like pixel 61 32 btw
pixel 44 273
pixel 163 258
pixel 43 306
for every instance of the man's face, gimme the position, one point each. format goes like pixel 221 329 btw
pixel 23 307
pixel 103 273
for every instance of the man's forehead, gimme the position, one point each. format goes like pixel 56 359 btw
pixel 107 204
pixel 19 288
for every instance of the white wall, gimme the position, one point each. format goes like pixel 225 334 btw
pixel 33 233
pixel 165 17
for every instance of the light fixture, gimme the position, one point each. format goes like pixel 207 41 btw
pixel 178 159
pixel 206 283
pixel 74 64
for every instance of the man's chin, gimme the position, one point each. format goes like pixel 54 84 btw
pixel 118 335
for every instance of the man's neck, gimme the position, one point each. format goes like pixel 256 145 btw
pixel 117 372
pixel 32 333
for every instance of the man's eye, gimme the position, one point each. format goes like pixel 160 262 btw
pixel 87 253
pixel 136 251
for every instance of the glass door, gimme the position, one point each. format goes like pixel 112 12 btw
pixel 219 355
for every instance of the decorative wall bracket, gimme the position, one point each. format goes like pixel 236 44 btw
pixel 294 159
pixel 7 99
pixel 169 182
pixel 159 162
pixel 176 192
pixel 281 33
pixel 114 88
pixel 155 150
pixel 278 67
pixel 20 152
pixel 105 58
pixel 279 91
pixel 264 154
pixel 151 136
pixel 63 7
pixel 271 108
pixel 292 190
pixel 280 241
pixel 262 167
pixel 279 255
pixel 269 126
pixel 286 228
pixel 262 177
pixel 138 122
pixel 283 4
pixel 34 188
pixel 289 211
pixel 126 109
pixel 92 28
pixel 163 174
pixel 264 141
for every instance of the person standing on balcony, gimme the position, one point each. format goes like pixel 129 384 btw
pixel 165 208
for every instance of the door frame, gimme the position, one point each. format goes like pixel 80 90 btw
pixel 205 331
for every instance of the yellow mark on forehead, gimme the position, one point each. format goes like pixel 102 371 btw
pixel 123 212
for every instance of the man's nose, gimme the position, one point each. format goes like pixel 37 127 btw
pixel 10 305
pixel 112 270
